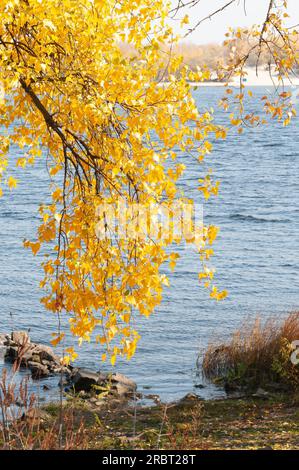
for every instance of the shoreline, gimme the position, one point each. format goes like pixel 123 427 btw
pixel 261 78
pixel 107 412
pixel 247 84
pixel 192 423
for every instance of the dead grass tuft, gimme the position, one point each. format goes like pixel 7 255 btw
pixel 259 352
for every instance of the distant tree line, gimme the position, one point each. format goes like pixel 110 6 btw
pixel 215 55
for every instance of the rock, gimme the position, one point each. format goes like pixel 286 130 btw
pixel 99 403
pixel 120 378
pixel 35 416
pixel 46 387
pixel 42 362
pixel 45 362
pixel 2 352
pixel 14 352
pixel 190 398
pixel 60 370
pixel 26 357
pixel 45 353
pixel 93 400
pixel 21 338
pixel 40 358
pixel 85 379
pixel 11 353
pixel 118 384
pixel 151 396
pixel 261 393
pixel 123 389
pixel 36 358
pixel 103 379
pixel 38 371
pixel 3 339
pixel 199 386
pixel 121 384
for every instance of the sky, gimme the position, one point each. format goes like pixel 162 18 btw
pixel 213 30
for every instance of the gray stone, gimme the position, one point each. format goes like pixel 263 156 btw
pixel 119 384
pixel 36 358
pixel 38 371
pixel 40 358
pixel 85 379
pixel 21 338
pixel 45 353
pixel 2 352
pixel 26 357
pixel 261 393
pixel 60 370
pixel 190 398
pixel 123 390
pixel 3 339
pixel 46 363
pixel 103 378
pixel 11 353
pixel 154 397
pixel 117 378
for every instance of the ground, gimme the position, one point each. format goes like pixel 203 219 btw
pixel 271 423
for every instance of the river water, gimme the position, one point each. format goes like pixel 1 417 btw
pixel 257 257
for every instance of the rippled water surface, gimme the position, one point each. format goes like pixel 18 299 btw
pixel 256 257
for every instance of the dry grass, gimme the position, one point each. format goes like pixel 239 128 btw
pixel 259 352
pixel 25 426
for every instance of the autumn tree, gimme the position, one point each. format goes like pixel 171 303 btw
pixel 109 127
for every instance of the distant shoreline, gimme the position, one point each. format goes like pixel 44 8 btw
pixel 252 78
pixel 294 84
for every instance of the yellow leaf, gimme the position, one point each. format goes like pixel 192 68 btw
pixel 11 182
pixel 58 339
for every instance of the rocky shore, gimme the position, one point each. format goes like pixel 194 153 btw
pixel 101 413
pixel 42 362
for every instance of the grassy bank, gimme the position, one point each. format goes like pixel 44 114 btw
pixel 249 423
pixel 271 421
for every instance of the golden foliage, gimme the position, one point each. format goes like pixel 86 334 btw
pixel 111 131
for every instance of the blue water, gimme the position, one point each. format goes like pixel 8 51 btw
pixel 256 257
